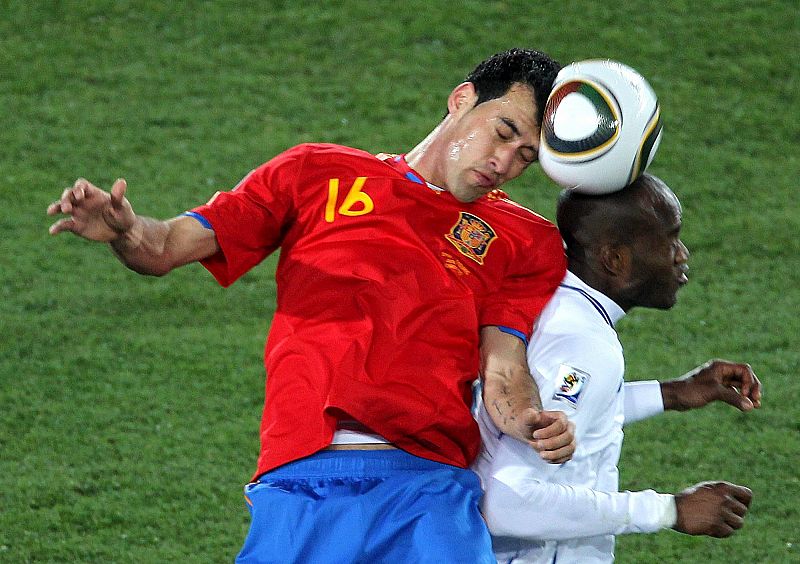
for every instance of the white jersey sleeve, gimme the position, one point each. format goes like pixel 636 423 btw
pixel 642 400
pixel 518 505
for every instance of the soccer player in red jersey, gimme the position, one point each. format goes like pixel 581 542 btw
pixel 401 278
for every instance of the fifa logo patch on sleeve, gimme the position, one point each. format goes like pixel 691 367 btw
pixel 471 236
pixel 570 384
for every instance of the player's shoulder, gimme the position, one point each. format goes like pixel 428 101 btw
pixel 500 201
pixel 331 155
pixel 572 317
pixel 584 348
pixel 331 150
pixel 568 331
pixel 534 235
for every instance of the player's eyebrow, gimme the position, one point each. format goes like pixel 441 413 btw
pixel 515 130
pixel 511 125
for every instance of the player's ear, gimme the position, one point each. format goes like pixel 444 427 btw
pixel 616 260
pixel 462 98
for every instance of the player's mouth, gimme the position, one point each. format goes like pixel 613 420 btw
pixel 486 181
pixel 683 279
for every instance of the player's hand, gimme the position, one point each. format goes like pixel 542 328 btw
pixel 716 380
pixel 553 435
pixel 716 509
pixel 93 213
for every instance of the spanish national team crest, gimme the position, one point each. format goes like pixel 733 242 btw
pixel 471 236
pixel 570 384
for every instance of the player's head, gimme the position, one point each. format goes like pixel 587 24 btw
pixel 627 244
pixel 495 76
pixel 491 131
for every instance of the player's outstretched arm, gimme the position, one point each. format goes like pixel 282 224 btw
pixel 716 380
pixel 145 245
pixel 519 502
pixel 716 509
pixel 512 398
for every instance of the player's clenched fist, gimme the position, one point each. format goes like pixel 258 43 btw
pixel 716 380
pixel 553 435
pixel 716 509
pixel 93 213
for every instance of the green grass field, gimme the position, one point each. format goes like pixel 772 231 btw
pixel 129 406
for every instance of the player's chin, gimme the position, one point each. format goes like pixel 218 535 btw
pixel 470 191
pixel 663 302
pixel 482 191
pixel 469 196
pixel 464 195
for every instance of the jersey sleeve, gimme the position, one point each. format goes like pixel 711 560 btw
pixel 643 399
pixel 526 288
pixel 250 220
pixel 521 505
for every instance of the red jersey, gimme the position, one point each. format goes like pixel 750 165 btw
pixel 383 284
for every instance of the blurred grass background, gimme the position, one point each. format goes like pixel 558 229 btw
pixel 129 406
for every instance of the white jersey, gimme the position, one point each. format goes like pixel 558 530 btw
pixel 546 513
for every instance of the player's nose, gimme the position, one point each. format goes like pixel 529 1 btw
pixel 683 253
pixel 501 160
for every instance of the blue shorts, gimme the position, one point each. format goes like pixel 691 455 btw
pixel 366 506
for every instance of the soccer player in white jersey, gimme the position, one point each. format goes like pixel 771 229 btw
pixel 624 250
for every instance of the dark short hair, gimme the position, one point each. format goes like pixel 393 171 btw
pixel 619 217
pixel 495 76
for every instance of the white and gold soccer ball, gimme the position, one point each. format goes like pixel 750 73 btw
pixel 601 127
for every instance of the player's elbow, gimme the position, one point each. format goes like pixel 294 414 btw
pixel 505 512
pixel 149 269
pixel 497 519
pixel 534 515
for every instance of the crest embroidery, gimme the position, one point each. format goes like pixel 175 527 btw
pixel 471 236
pixel 570 384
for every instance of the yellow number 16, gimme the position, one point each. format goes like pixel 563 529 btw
pixel 354 196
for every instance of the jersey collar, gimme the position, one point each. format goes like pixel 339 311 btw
pixel 607 307
pixel 398 162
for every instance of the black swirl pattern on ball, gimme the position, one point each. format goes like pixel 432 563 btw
pixel 608 122
pixel 651 132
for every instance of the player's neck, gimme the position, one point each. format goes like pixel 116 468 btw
pixel 596 279
pixel 427 156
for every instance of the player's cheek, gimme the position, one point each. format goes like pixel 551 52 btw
pixel 518 168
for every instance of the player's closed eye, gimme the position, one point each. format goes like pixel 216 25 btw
pixel 504 135
pixel 528 156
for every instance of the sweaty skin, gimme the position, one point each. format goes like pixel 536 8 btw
pixel 476 149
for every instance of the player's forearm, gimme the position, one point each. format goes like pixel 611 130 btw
pixel 507 392
pixel 547 511
pixel 671 395
pixel 508 387
pixel 143 247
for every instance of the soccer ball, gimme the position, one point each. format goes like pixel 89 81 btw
pixel 601 127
